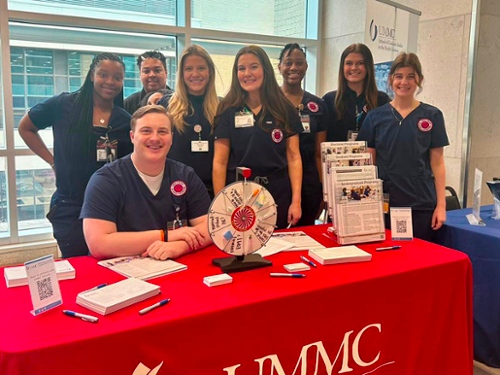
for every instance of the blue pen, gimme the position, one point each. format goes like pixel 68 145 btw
pixel 98 286
pixel 308 261
pixel 388 248
pixel 87 318
pixel 276 274
pixel 152 307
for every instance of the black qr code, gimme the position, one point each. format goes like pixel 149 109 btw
pixel 401 226
pixel 45 288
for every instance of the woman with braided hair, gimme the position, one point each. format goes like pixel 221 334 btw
pixel 90 128
pixel 314 118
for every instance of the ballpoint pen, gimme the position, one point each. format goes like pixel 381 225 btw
pixel 298 275
pixel 388 248
pixel 87 318
pixel 152 307
pixel 308 261
pixel 98 287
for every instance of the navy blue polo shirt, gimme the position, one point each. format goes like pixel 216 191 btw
pixel 262 149
pixel 339 128
pixel 315 108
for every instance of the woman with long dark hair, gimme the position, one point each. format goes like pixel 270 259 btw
pixel 193 106
pixel 90 128
pixel 314 118
pixel 406 138
pixel 257 127
pixel 355 96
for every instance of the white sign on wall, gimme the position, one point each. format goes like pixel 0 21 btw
pixel 389 30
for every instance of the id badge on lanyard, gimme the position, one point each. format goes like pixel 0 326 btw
pixel 199 145
pixel 178 222
pixel 243 119
pixel 352 135
pixel 306 123
pixel 106 149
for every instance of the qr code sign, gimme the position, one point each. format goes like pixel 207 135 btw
pixel 401 226
pixel 45 288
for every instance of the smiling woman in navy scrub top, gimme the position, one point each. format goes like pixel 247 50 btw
pixel 193 106
pixel 406 138
pixel 356 95
pixel 90 128
pixel 257 127
pixel 313 115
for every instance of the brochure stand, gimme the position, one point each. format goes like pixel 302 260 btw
pixel 353 192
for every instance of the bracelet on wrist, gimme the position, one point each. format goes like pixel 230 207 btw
pixel 163 235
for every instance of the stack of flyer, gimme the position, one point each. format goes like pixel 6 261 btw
pixel 353 192
pixel 111 298
pixel 143 268
pixel 298 239
pixel 341 254
pixel 16 276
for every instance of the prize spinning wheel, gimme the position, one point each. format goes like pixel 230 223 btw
pixel 241 219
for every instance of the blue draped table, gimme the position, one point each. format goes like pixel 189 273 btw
pixel 482 245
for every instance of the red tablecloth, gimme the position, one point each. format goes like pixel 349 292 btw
pixel 407 311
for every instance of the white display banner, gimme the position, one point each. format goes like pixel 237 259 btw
pixel 386 31
pixel 389 30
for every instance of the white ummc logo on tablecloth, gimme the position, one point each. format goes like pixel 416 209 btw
pixel 350 357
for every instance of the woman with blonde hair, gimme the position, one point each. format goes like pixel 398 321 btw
pixel 193 106
pixel 406 138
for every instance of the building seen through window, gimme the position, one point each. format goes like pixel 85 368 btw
pixel 48 57
pixel 38 74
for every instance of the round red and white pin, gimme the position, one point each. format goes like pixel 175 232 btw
pixel 178 188
pixel 425 125
pixel 313 107
pixel 277 135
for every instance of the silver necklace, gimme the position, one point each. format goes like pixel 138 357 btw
pixel 400 120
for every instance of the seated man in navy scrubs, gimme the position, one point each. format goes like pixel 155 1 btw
pixel 145 204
